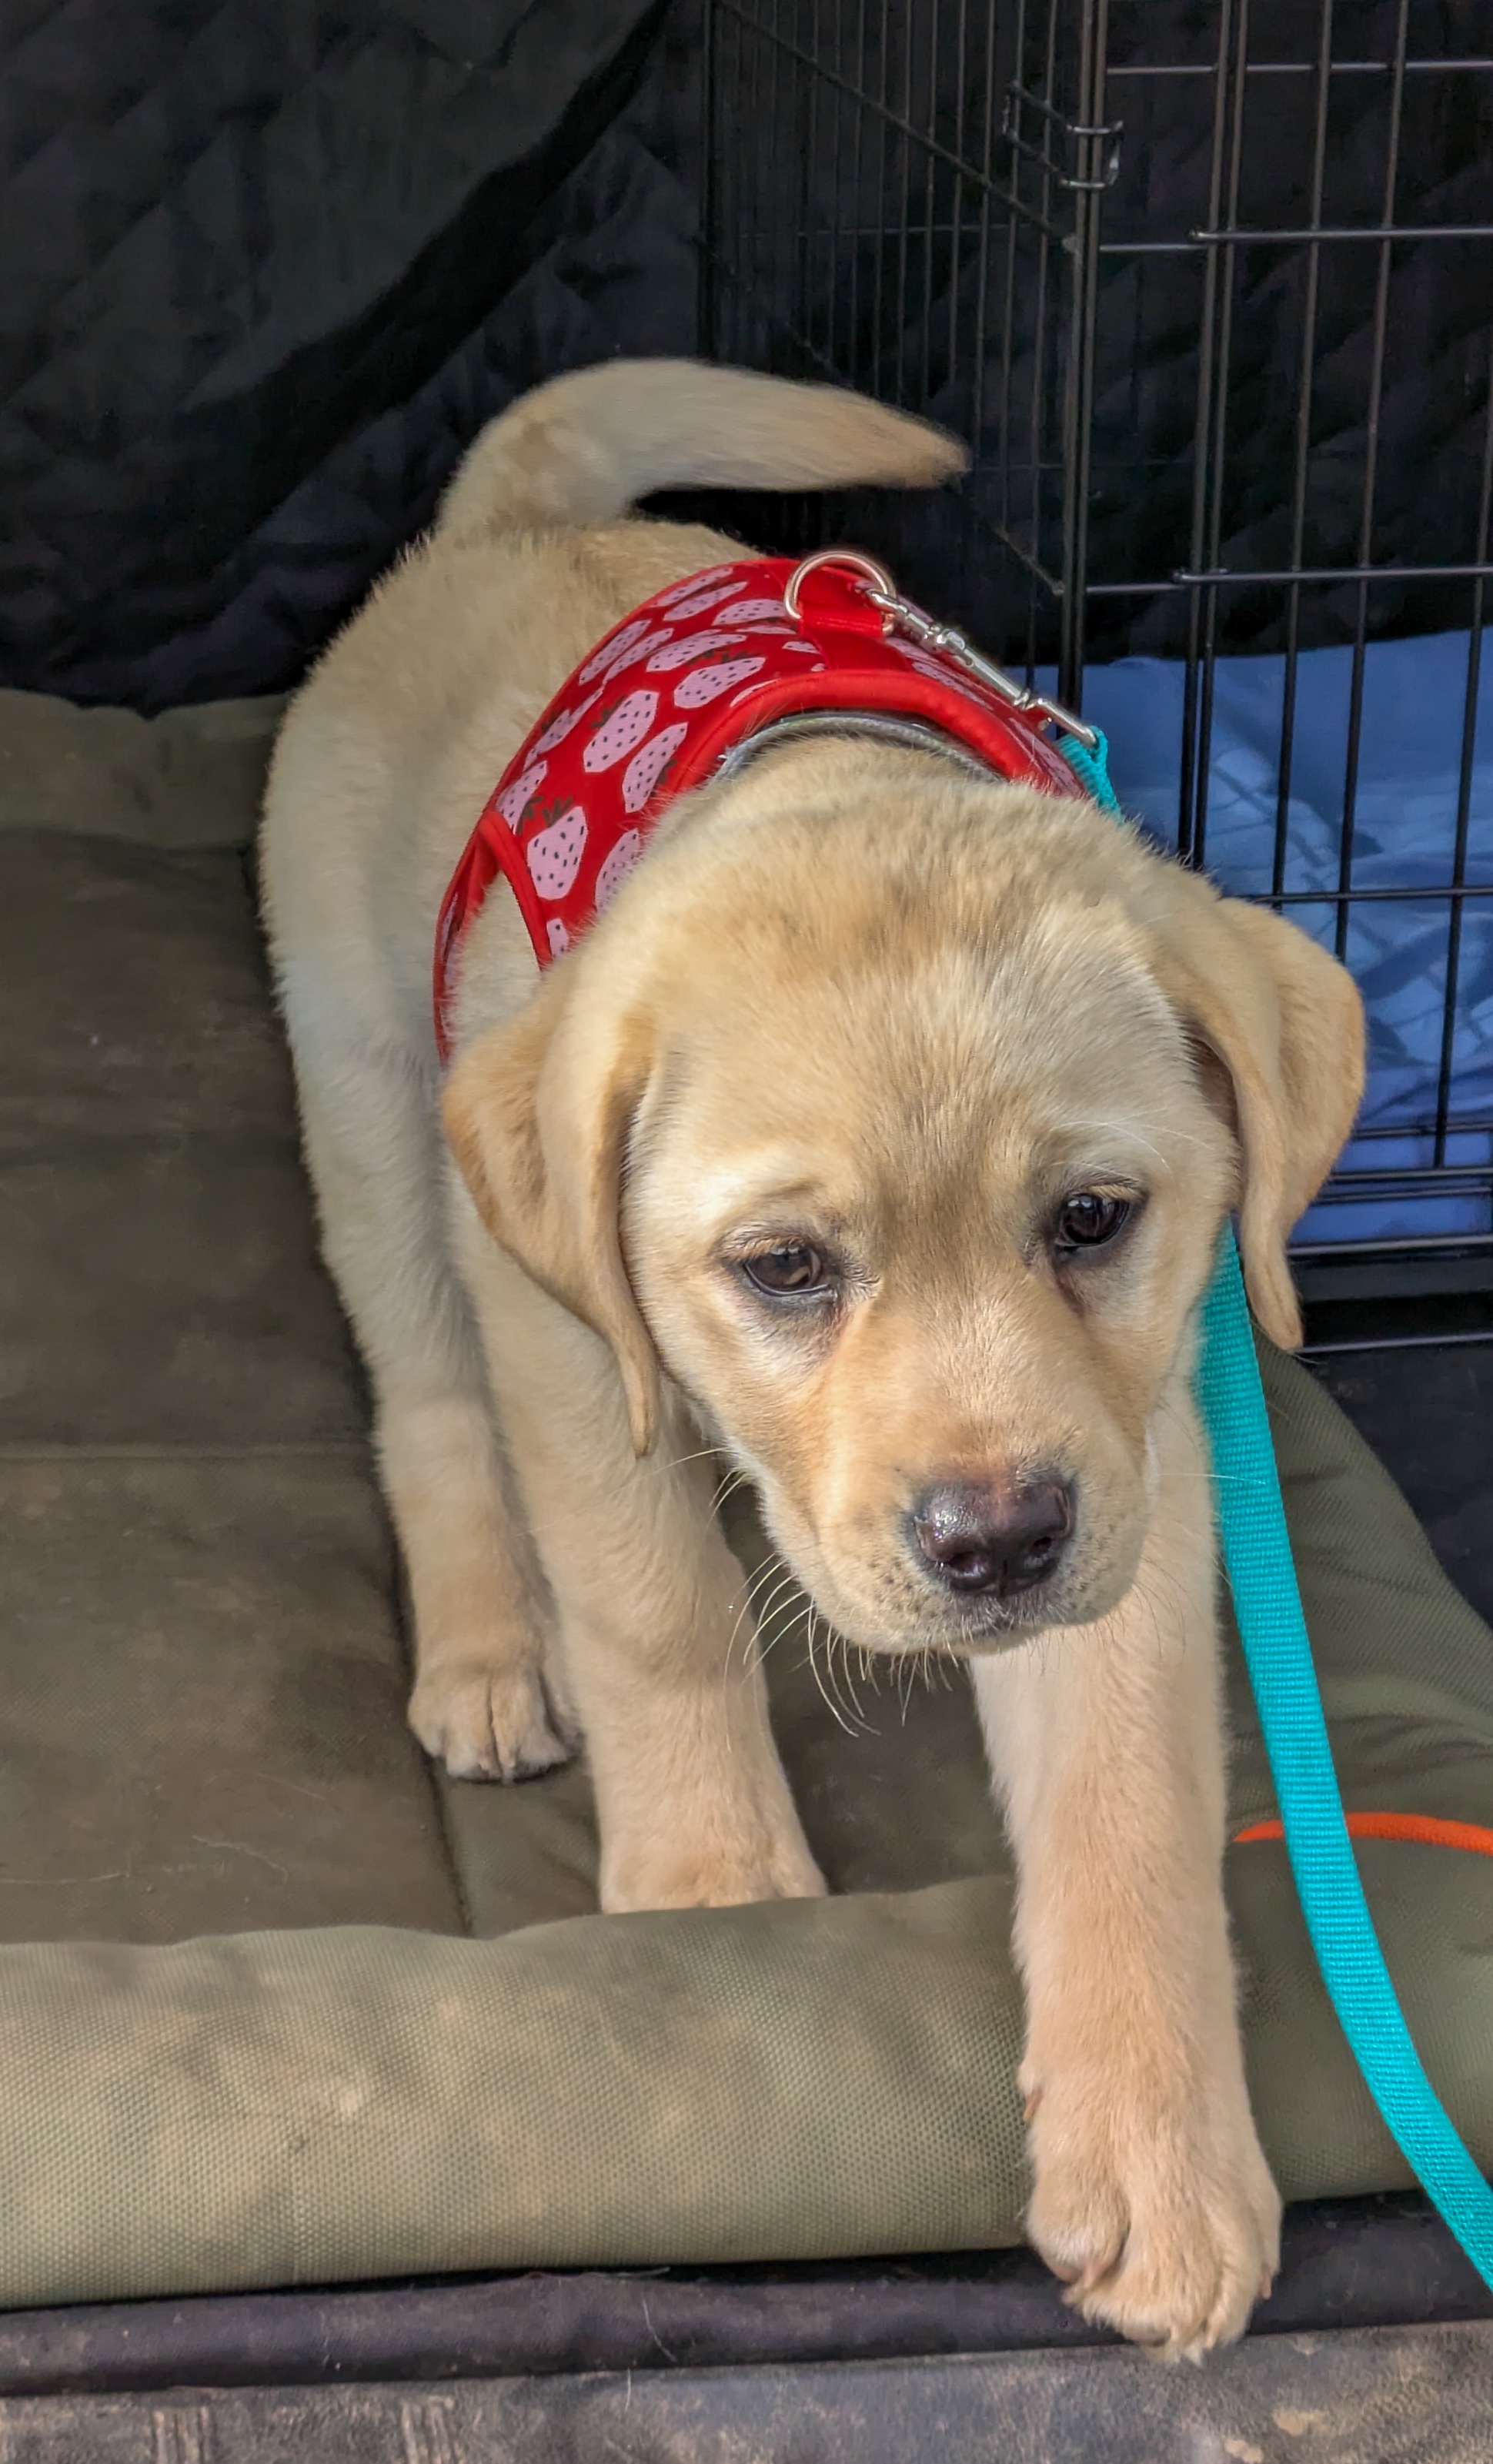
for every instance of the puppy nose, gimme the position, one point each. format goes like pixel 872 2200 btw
pixel 977 1537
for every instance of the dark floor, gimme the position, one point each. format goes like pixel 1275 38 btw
pixel 1366 2398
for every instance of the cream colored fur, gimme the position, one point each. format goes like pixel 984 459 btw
pixel 870 1002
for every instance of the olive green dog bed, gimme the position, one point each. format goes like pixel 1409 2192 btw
pixel 767 2082
pixel 399 2043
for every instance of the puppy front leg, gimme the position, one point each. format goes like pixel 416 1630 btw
pixel 656 1636
pixel 483 1702
pixel 1149 2192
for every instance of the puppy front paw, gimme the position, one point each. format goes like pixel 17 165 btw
pixel 489 1720
pixel 1156 2208
pixel 669 1871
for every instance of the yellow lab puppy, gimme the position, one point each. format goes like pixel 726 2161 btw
pixel 878 1136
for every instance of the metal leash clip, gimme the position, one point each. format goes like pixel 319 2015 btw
pixel 904 615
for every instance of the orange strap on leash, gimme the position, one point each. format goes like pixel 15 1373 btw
pixel 1427 1830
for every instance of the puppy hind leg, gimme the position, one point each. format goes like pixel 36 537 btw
pixel 485 1699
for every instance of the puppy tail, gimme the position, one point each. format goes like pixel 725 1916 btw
pixel 584 448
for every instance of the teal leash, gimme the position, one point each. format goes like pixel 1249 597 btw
pixel 1272 1625
pixel 1091 768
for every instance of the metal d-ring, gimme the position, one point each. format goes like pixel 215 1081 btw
pixel 853 561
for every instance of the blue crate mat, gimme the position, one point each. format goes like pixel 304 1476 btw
pixel 1405 821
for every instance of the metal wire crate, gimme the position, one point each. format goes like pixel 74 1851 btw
pixel 1181 272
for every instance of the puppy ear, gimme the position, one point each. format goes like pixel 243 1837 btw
pixel 537 1114
pixel 1286 1023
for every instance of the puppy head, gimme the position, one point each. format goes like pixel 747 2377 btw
pixel 893 1117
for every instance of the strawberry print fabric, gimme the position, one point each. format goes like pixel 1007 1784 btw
pixel 656 705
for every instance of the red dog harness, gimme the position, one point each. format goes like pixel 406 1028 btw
pixel 690 686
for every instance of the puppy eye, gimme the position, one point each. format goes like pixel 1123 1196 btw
pixel 1090 1220
pixel 792 1270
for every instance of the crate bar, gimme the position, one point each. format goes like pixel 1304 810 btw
pixel 982 271
pixel 1079 396
pixel 1381 322
pixel 1264 238
pixel 1469 736
pixel 1381 894
pixel 704 302
pixel 1223 575
pixel 1424 1129
pixel 1196 241
pixel 1217 471
pixel 883 115
pixel 957 205
pixel 930 200
pixel 1141 70
pixel 1463 1180
pixel 1208 375
pixel 1450 1337
pixel 767 115
pixel 1303 456
pixel 858 178
pixel 821 303
pixel 818 204
pixel 905 215
pixel 1049 233
pixel 1420 1244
